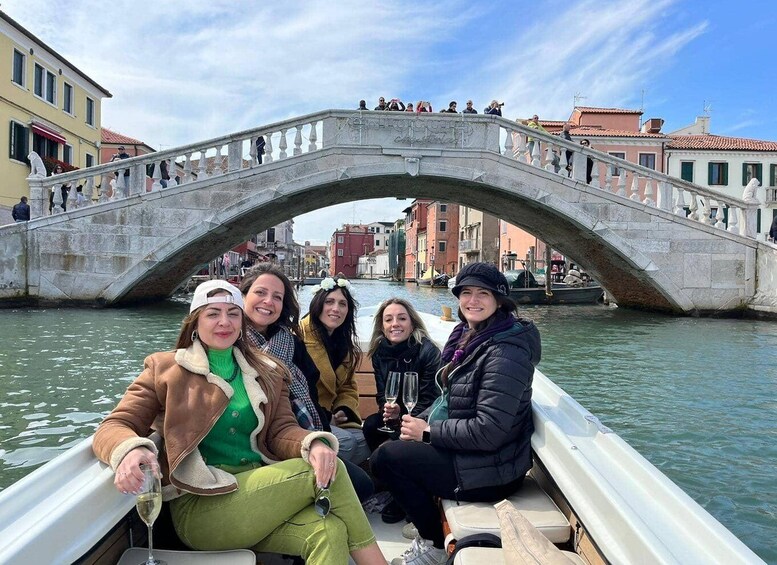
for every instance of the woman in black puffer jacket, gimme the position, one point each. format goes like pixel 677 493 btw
pixel 400 343
pixel 474 442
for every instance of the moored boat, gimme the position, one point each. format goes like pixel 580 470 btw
pixel 619 508
pixel 524 289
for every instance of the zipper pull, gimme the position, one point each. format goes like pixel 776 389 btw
pixel 456 495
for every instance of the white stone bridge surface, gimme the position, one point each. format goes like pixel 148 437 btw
pixel 631 232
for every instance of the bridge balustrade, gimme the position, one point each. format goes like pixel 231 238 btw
pixel 396 131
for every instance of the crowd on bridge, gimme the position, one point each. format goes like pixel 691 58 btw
pixel 263 435
pixel 424 106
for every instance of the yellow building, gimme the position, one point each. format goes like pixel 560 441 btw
pixel 46 105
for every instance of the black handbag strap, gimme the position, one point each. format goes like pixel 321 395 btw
pixel 474 540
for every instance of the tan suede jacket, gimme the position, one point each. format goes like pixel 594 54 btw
pixel 336 387
pixel 177 396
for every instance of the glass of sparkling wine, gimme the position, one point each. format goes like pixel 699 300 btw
pixel 149 503
pixel 410 391
pixel 392 393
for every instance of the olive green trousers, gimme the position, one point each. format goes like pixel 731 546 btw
pixel 272 511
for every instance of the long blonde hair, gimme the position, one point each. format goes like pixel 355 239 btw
pixel 419 329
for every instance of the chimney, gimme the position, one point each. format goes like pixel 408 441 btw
pixel 652 125
pixel 703 123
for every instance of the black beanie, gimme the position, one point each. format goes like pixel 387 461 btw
pixel 483 275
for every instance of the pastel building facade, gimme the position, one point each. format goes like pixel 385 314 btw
pixel 48 106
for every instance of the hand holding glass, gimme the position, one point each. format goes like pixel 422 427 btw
pixel 392 393
pixel 410 391
pixel 149 503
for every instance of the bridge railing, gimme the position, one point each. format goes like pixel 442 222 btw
pixel 409 134
pixel 618 176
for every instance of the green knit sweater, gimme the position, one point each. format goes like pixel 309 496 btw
pixel 228 442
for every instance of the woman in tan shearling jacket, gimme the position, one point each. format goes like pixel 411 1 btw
pixel 237 469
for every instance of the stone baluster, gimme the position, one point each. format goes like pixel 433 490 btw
pixel 89 191
pixel 202 172
pixel 536 154
pixel 634 186
pixel 621 182
pixel 122 186
pixel 282 145
pixel 72 195
pixel 57 191
pixel 172 172
pixel 705 210
pixel 720 216
pixel 549 158
pixel 267 158
pixel 508 150
pixel 595 175
pixel 607 177
pixel 298 141
pixel 187 168
pixel 105 186
pixel 156 175
pixel 220 163
pixel 733 220
pixel 313 137
pixel 521 145
pixel 579 163
pixel 693 206
pixel 253 152
pixel 679 203
pixel 649 193
pixel 664 196
pixel 562 162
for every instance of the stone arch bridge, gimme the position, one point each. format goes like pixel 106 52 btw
pixel 632 232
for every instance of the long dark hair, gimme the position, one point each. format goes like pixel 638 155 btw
pixel 254 356
pixel 290 310
pixel 345 334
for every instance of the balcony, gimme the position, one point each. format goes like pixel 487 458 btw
pixel 469 245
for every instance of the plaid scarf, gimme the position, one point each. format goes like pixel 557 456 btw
pixel 281 345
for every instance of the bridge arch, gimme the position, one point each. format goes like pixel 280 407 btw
pixel 644 252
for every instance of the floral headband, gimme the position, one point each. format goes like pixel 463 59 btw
pixel 329 283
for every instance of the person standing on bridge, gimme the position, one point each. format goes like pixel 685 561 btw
pixel 329 334
pixel 469 109
pixel 236 468
pixel 21 211
pixel 474 442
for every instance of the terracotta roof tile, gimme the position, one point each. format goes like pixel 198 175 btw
pixel 594 110
pixel 109 136
pixel 719 142
pixel 604 132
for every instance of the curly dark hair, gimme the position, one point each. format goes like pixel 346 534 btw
pixel 345 334
pixel 290 310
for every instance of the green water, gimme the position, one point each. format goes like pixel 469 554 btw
pixel 697 397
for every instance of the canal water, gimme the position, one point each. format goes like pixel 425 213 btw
pixel 696 397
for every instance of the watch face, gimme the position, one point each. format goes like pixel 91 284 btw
pixel 427 437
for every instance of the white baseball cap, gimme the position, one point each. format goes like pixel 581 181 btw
pixel 201 297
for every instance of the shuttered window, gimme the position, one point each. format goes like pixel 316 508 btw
pixel 717 174
pixel 686 170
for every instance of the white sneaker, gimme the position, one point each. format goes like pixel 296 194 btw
pixel 409 531
pixel 421 552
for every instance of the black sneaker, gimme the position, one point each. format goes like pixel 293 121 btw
pixel 392 513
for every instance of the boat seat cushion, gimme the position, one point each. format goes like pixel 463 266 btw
pixel 135 555
pixel 495 556
pixel 478 517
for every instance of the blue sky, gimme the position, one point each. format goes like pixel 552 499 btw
pixel 184 71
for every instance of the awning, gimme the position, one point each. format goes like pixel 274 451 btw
pixel 48 133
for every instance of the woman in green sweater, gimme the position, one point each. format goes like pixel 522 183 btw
pixel 236 467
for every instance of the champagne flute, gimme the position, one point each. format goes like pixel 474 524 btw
pixel 392 393
pixel 148 504
pixel 410 391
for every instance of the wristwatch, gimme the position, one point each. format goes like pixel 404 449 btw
pixel 426 437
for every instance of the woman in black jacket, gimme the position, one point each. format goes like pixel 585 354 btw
pixel 474 442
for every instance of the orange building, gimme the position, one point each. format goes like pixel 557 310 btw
pixel 442 237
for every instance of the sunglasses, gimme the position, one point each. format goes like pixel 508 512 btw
pixel 322 503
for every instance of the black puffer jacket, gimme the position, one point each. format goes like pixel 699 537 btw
pixel 489 424
pixel 423 358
